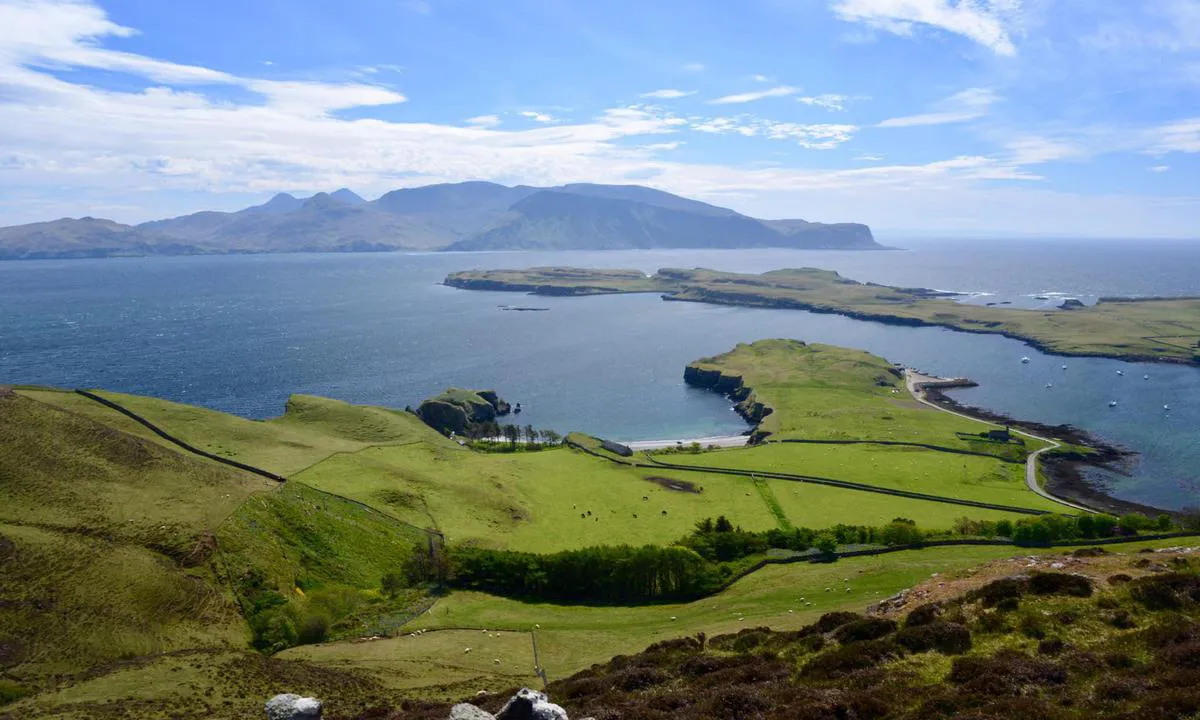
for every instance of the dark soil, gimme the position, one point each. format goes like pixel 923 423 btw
pixel 673 484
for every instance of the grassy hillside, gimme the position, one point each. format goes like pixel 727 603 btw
pixel 310 429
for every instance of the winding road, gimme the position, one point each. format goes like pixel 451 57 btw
pixel 916 383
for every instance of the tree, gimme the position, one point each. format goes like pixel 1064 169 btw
pixel 391 584
pixel 531 435
pixel 826 544
pixel 723 525
pixel 512 434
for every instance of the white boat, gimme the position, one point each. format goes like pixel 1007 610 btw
pixel 1120 372
pixel 1166 407
pixel 1025 360
pixel 1145 377
pixel 1064 367
pixel 1049 385
pixel 1112 403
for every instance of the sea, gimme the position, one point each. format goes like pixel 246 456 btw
pixel 240 333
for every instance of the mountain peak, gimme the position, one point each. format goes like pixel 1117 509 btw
pixel 347 196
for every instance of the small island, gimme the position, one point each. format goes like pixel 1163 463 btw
pixel 1150 329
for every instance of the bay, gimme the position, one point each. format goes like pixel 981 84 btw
pixel 241 333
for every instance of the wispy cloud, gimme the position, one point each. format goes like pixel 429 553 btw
pixel 1159 168
pixel 986 22
pixel 668 94
pixel 962 106
pixel 484 121
pixel 538 117
pixel 817 136
pixel 829 102
pixel 693 67
pixel 778 91
pixel 869 157
pixel 420 7
pixel 760 78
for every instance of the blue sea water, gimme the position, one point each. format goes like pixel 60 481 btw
pixel 241 333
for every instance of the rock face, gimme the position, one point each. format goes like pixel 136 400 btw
pixel 290 706
pixel 525 705
pixel 732 386
pixel 455 409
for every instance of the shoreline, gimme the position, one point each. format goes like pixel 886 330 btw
pixel 1063 472
pixel 721 441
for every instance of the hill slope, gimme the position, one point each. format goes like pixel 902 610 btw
pixel 459 216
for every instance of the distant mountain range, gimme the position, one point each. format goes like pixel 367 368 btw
pixel 460 216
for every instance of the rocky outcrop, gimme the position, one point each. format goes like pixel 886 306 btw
pixel 455 410
pixel 525 705
pixel 290 706
pixel 733 387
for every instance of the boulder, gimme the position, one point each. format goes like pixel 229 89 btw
pixel 290 706
pixel 530 705
pixel 467 711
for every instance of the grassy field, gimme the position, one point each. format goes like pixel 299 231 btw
pixel 823 392
pixel 1151 329
pixel 571 638
pixel 563 499
pixel 966 477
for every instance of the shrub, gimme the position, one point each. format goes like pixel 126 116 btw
pixel 312 628
pixel 1051 646
pixel 1053 583
pixel 639 678
pixel 833 620
pixel 865 629
pixel 1119 579
pixel 944 637
pixel 11 691
pixel 923 615
pixel 1169 591
pixel 1122 620
pixel 846 659
pixel 1005 672
pixel 1002 589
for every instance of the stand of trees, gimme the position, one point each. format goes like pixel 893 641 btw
pixel 512 436
pixel 603 574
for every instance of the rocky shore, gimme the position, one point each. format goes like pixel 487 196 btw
pixel 1064 471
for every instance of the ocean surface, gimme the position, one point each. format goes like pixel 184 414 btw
pixel 241 333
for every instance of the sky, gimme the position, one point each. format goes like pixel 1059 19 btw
pixel 960 118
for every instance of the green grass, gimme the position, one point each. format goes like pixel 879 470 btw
pixel 571 638
pixel 823 392
pixel 902 468
pixel 540 502
pixel 310 430
pixel 68 471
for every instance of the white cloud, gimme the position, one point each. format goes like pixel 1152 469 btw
pixel 869 157
pixel 829 102
pixel 760 78
pixel 668 94
pixel 1159 168
pixel 986 22
pixel 779 91
pixel 484 121
pixel 962 106
pixel 538 117
pixel 1035 150
pixel 693 67
pixel 1181 136
pixel 813 137
pixel 420 7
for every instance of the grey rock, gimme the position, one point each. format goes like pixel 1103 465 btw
pixel 467 711
pixel 531 705
pixel 290 706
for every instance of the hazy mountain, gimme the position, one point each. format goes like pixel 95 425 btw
pixel 82 238
pixel 604 219
pixel 457 216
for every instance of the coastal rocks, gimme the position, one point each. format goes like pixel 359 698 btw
pixel 525 705
pixel 733 387
pixel 1071 304
pixel 290 706
pixel 456 409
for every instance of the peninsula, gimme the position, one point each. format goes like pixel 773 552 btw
pixel 1150 329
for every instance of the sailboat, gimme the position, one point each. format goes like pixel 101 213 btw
pixel 1025 360
pixel 1120 372
pixel 1112 403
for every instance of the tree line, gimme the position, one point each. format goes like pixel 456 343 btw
pixel 491 432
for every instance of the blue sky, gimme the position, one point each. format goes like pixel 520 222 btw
pixel 958 117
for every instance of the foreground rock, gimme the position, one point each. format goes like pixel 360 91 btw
pixel 525 705
pixel 290 706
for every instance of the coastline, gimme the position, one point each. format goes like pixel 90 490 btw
pixel 1063 472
